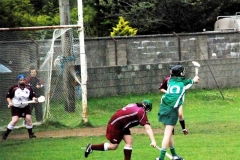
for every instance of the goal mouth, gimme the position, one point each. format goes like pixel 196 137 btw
pixel 53 51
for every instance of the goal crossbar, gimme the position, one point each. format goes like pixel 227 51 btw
pixel 40 27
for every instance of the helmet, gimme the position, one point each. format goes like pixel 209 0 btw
pixel 178 70
pixel 147 105
pixel 21 76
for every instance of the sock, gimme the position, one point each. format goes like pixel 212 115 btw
pixel 29 128
pixel 172 149
pixel 30 131
pixel 7 131
pixel 182 122
pixel 127 153
pixel 162 153
pixel 98 147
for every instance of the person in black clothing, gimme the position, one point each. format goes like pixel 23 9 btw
pixel 37 86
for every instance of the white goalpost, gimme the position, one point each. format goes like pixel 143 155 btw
pixel 83 62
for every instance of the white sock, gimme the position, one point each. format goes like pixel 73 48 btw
pixel 128 148
pixel 10 127
pixel 106 145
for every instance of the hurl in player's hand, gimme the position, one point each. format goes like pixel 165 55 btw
pixel 10 104
pixel 153 144
pixel 196 79
pixel 35 100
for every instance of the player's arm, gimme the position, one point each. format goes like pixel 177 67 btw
pixel 150 134
pixel 39 84
pixel 163 85
pixel 163 90
pixel 9 100
pixel 9 96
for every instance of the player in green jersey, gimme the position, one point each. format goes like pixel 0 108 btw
pixel 170 103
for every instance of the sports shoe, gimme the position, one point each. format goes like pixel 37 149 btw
pixel 32 135
pixel 177 158
pixel 185 131
pixel 88 150
pixel 4 136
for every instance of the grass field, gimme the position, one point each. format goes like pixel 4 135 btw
pixel 213 125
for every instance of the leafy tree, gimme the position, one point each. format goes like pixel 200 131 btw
pixel 15 13
pixel 123 29
pixel 100 16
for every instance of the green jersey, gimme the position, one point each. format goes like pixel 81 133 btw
pixel 176 92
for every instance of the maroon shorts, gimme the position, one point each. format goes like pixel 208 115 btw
pixel 20 112
pixel 115 134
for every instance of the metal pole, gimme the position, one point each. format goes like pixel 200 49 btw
pixel 39 27
pixel 116 53
pixel 179 47
pixel 83 62
pixel 210 71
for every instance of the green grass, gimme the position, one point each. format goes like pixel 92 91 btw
pixel 213 125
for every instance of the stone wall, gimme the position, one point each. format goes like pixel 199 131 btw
pixel 145 78
pixel 161 48
pixel 137 64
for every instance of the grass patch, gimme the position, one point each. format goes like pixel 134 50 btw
pixel 212 123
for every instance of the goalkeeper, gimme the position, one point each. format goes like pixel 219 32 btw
pixel 16 95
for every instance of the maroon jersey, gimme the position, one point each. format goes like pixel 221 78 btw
pixel 128 117
pixel 164 83
pixel 122 120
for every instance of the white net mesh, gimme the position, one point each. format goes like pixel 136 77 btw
pixel 54 53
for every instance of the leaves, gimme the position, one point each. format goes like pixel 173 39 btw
pixel 100 16
pixel 123 29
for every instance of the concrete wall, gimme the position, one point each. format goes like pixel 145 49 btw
pixel 161 48
pixel 145 78
pixel 142 61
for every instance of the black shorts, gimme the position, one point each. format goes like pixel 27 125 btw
pixel 20 112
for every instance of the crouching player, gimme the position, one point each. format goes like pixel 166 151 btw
pixel 118 128
pixel 170 103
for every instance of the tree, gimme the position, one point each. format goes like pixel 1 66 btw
pixel 15 13
pixel 100 16
pixel 123 29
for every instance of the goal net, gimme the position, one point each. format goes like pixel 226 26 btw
pixel 54 53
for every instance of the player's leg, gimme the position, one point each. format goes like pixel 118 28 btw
pixel 15 117
pixel 128 146
pixel 100 147
pixel 113 135
pixel 181 120
pixel 167 140
pixel 172 148
pixel 28 119
pixel 10 127
pixel 29 126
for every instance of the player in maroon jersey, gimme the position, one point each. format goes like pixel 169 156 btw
pixel 119 125
pixel 163 88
